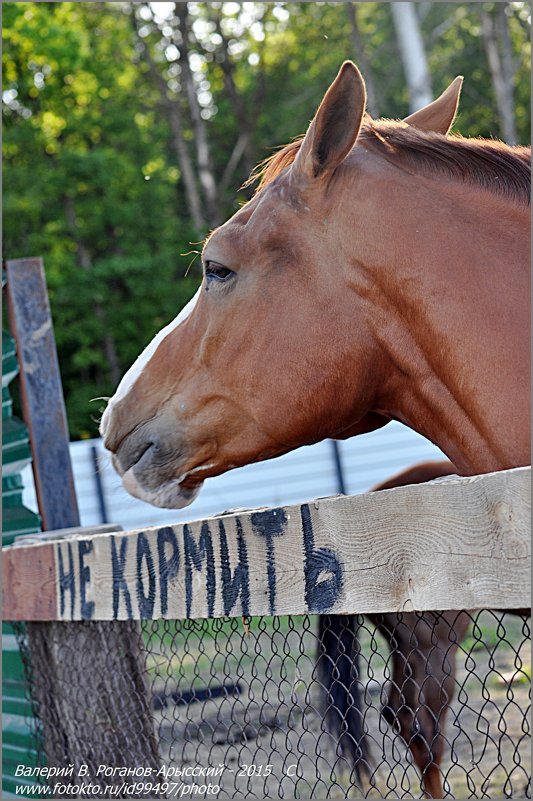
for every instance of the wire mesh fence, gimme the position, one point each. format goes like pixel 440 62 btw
pixel 381 706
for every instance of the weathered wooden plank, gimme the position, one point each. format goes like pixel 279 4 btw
pixel 456 543
pixel 66 533
pixel 41 392
pixel 28 585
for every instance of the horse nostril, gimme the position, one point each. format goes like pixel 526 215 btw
pixel 131 451
pixel 141 452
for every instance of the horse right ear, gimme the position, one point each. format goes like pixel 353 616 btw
pixel 335 127
pixel 439 116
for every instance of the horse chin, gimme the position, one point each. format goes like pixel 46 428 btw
pixel 170 495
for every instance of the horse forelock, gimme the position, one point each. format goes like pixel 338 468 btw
pixel 488 163
pixel 268 169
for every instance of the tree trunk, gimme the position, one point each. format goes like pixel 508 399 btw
pixel 203 155
pixel 362 61
pixel 172 108
pixel 496 40
pixel 246 122
pixel 413 54
pixel 237 153
pixel 89 691
pixel 194 202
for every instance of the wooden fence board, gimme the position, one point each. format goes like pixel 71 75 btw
pixel 456 543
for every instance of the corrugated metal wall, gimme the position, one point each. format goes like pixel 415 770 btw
pixel 296 477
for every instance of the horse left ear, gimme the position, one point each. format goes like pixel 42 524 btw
pixel 439 116
pixel 335 127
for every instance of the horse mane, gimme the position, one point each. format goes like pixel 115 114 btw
pixel 489 163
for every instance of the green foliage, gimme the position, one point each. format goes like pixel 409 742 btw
pixel 93 180
pixel 90 187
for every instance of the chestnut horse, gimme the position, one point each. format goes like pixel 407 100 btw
pixel 381 272
pixel 421 686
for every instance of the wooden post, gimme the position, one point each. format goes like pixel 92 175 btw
pixel 41 393
pixel 88 678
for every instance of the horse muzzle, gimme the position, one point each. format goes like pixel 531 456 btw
pixel 170 494
pixel 151 460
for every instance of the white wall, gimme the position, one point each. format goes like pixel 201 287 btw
pixel 296 477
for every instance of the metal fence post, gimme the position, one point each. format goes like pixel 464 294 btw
pixel 99 485
pixel 339 471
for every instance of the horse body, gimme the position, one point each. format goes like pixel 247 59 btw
pixel 450 318
pixel 380 273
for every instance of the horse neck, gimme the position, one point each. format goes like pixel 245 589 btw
pixel 450 312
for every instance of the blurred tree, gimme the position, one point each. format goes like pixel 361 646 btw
pixel 500 60
pixel 413 54
pixel 360 57
pixel 171 105
pixel 129 127
pixel 90 188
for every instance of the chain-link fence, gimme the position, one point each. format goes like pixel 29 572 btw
pixel 382 706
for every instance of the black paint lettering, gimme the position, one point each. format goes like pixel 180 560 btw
pixel 239 583
pixel 66 580
pixel 118 562
pixel 320 596
pixel 269 524
pixel 87 607
pixel 195 553
pixel 168 568
pixel 145 600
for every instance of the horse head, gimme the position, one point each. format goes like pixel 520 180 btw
pixel 283 344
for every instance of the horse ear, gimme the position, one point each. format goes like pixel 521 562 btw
pixel 335 127
pixel 440 115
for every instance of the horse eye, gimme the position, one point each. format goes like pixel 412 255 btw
pixel 217 272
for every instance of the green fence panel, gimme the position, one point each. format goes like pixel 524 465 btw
pixel 18 726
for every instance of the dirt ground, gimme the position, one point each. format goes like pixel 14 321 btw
pixel 266 713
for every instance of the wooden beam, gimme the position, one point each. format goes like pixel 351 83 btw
pixel 41 392
pixel 76 532
pixel 455 543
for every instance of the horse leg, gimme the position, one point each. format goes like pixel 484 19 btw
pixel 338 673
pixel 404 710
pixel 422 684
